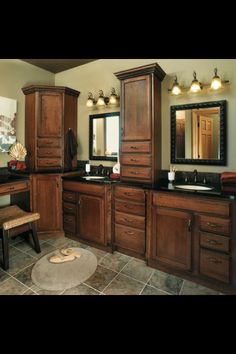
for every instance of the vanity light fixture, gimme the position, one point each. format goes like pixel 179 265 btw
pixel 102 101
pixel 196 86
pixel 216 82
pixel 175 90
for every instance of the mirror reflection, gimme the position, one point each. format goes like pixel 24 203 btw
pixel 198 133
pixel 104 136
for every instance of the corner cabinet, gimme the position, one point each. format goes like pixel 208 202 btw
pixel 50 112
pixel 193 237
pixel 140 152
pixel 87 212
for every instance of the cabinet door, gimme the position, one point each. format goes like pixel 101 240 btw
pixel 47 202
pixel 50 114
pixel 91 220
pixel 136 121
pixel 171 237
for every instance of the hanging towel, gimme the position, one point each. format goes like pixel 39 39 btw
pixel 70 147
pixel 228 177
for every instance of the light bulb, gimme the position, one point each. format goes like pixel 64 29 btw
pixel 101 101
pixel 90 100
pixel 113 97
pixel 176 90
pixel 195 85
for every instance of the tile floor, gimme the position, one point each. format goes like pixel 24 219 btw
pixel 116 274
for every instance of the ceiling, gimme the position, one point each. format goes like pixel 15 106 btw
pixel 57 65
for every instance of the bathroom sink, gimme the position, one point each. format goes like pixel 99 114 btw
pixel 193 187
pixel 93 177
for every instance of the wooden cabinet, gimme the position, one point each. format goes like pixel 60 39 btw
pixel 87 212
pixel 50 112
pixel 129 220
pixel 47 201
pixel 193 236
pixel 140 151
pixel 172 237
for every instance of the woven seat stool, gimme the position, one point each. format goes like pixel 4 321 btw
pixel 14 221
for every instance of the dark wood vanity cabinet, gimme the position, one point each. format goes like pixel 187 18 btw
pixel 87 212
pixel 47 201
pixel 50 112
pixel 129 220
pixel 193 236
pixel 140 151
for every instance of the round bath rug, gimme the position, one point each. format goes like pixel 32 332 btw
pixel 60 276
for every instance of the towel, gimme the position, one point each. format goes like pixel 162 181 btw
pixel 228 177
pixel 70 147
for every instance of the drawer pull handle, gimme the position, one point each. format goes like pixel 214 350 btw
pixel 214 260
pixel 133 147
pixel 189 225
pixel 134 172
pixel 11 188
pixel 67 208
pixel 134 160
pixel 213 225
pixel 128 220
pixel 48 142
pixel 213 242
pixel 68 219
pixel 128 193
pixel 129 232
pixel 128 206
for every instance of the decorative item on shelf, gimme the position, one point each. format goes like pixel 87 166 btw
pixel 102 101
pixel 18 152
pixel 171 174
pixel 196 86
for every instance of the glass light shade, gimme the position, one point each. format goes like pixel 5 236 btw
pixel 176 89
pixel 216 83
pixel 100 101
pixel 89 102
pixel 113 99
pixel 195 86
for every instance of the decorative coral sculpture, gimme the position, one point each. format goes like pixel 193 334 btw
pixel 17 151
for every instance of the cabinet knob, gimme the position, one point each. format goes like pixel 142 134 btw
pixel 214 260
pixel 213 225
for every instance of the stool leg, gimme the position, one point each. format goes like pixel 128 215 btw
pixel 5 248
pixel 35 237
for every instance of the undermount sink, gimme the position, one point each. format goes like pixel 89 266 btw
pixel 193 187
pixel 93 177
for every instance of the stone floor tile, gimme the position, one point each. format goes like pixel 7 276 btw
pixel 101 278
pixel 149 290
pixel 41 291
pixel 12 287
pixel 115 261
pixel 190 288
pixel 45 248
pixel 23 246
pixel 166 282
pixel 57 242
pixel 3 276
pixel 19 262
pixel 24 276
pixel 81 289
pixel 123 285
pixel 138 270
pixel 29 292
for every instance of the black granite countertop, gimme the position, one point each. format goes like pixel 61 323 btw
pixel 9 178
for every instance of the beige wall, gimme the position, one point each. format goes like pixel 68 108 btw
pixel 99 75
pixel 15 74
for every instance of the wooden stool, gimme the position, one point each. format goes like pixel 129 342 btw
pixel 14 221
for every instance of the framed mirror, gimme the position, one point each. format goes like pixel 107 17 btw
pixel 198 133
pixel 104 136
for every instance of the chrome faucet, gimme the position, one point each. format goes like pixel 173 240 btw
pixel 195 179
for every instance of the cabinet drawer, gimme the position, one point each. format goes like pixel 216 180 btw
pixel 215 242
pixel 49 142
pixel 69 223
pixel 128 207
pixel 198 204
pixel 129 238
pixel 69 208
pixel 69 197
pixel 214 265
pixel 49 162
pixel 130 193
pixel 86 188
pixel 14 187
pixel 213 224
pixel 49 152
pixel 136 172
pixel 130 220
pixel 144 146
pixel 136 160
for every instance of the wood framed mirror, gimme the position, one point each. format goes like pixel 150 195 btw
pixel 198 133
pixel 104 136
